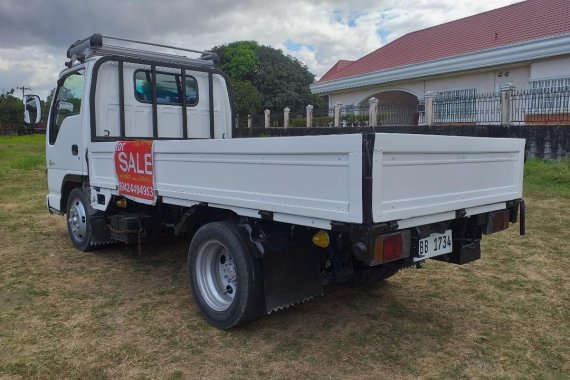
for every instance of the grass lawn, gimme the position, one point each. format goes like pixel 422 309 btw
pixel 113 314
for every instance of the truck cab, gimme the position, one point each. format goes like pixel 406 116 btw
pixel 110 93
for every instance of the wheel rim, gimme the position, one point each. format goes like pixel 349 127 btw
pixel 77 220
pixel 216 275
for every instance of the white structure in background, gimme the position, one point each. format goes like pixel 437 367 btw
pixel 525 45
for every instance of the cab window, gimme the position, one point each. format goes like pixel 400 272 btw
pixel 67 102
pixel 168 88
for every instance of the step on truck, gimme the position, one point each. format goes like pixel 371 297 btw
pixel 140 141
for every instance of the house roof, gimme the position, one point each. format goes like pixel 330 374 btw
pixel 341 64
pixel 525 21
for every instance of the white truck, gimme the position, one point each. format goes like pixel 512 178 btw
pixel 140 140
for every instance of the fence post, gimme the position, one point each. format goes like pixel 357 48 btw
pixel 507 90
pixel 373 112
pixel 337 108
pixel 267 118
pixel 249 120
pixel 429 107
pixel 309 116
pixel 286 111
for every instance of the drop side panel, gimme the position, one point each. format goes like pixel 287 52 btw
pixel 421 175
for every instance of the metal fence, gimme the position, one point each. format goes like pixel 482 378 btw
pixel 541 106
pixel 474 109
pixel 533 106
pixel 7 129
pixel 354 116
pixel 388 114
pixel 322 117
pixel 395 114
pixel 506 107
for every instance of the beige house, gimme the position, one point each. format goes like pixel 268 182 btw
pixel 525 46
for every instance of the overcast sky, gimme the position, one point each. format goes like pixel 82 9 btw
pixel 35 34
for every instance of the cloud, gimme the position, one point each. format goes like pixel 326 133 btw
pixel 36 33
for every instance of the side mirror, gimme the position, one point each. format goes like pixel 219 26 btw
pixel 32 109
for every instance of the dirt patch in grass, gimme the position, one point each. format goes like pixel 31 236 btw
pixel 113 314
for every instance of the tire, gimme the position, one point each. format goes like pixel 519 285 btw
pixel 226 280
pixel 79 214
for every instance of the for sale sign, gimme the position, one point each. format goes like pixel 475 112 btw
pixel 134 170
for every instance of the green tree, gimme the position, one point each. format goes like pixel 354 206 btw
pixel 239 60
pixel 11 112
pixel 46 105
pixel 247 99
pixel 283 80
pixel 280 80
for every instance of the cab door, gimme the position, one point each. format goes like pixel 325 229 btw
pixel 64 143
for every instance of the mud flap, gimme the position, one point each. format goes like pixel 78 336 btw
pixel 466 254
pixel 100 230
pixel 291 277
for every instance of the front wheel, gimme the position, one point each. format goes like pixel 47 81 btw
pixel 78 215
pixel 226 279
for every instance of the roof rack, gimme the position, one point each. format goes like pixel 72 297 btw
pixel 100 45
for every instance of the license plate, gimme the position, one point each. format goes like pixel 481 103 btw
pixel 434 245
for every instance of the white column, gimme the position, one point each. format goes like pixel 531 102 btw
pixel 309 116
pixel 249 121
pixel 507 90
pixel 267 118
pixel 337 108
pixel 429 107
pixel 286 111
pixel 373 112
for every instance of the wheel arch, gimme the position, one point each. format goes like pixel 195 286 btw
pixel 197 216
pixel 70 182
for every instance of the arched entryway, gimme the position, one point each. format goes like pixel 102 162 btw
pixel 396 107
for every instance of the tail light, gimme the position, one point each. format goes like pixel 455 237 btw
pixel 391 247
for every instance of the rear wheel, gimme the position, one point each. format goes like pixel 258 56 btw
pixel 226 279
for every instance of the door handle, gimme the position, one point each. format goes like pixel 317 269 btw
pixel 51 162
pixel 74 150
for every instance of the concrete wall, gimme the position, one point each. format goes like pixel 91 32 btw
pixel 550 68
pixel 548 142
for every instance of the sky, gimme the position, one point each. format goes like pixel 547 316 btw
pixel 35 34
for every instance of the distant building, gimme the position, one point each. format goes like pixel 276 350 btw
pixel 526 44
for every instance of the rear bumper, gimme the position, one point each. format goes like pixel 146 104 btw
pixel 467 226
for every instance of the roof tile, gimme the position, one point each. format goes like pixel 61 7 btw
pixel 528 20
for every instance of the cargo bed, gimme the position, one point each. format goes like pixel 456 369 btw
pixel 313 180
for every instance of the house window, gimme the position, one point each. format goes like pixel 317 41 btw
pixel 549 95
pixel 456 105
pixel 168 88
pixel 560 84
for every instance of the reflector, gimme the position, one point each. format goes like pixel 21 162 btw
pixel 393 247
pixel 321 239
pixel 389 248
